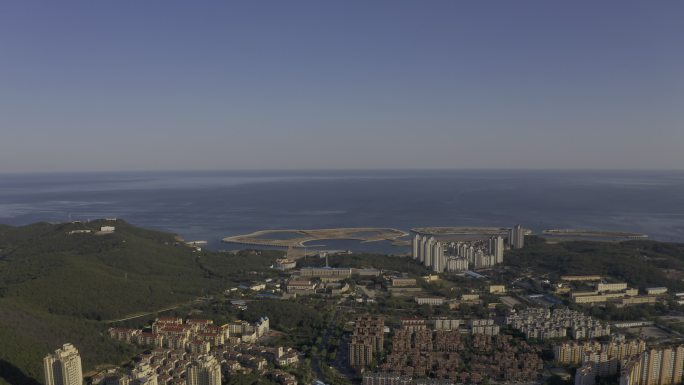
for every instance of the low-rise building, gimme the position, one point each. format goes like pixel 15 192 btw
pixel 326 272
pixel 497 289
pixel 283 264
pixel 638 300
pixel 576 278
pixel 483 326
pixel 614 292
pixel 656 290
pixel 301 286
pixel 124 334
pixel 432 301
pixel 447 324
pixel 414 324
pixel 369 272
pixel 616 286
pixel 403 282
pixel 470 297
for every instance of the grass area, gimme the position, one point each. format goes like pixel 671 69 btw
pixel 57 288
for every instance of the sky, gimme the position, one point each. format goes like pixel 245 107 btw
pixel 216 85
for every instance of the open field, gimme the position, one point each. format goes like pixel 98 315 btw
pixel 297 238
pixel 650 332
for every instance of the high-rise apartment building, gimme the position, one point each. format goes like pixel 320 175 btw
pixel 428 251
pixel 206 370
pixel 516 237
pixel 438 260
pixel 416 246
pixel 421 249
pixel 458 256
pixel 63 367
pixel 655 367
pixel 496 248
pixel 367 340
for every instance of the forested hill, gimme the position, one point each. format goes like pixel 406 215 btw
pixel 640 263
pixel 57 286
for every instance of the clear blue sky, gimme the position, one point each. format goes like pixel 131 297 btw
pixel 145 85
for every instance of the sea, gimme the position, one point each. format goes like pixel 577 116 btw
pixel 211 205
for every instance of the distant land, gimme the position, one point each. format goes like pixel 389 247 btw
pixel 213 205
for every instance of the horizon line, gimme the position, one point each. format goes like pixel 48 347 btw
pixel 283 170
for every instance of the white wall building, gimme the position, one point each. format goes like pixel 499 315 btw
pixel 206 370
pixel 63 367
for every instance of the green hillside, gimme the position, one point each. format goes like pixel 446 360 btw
pixel 640 263
pixel 56 287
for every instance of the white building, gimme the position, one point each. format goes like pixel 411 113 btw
pixel 206 370
pixel 143 374
pixel 437 254
pixel 455 264
pixel 496 248
pixel 421 249
pixel 457 256
pixel 416 246
pixel 427 260
pixel 63 367
pixel 517 237
pixel 432 301
pixel 656 290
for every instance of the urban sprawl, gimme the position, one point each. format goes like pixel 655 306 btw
pixel 459 322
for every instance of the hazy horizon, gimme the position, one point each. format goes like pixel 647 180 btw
pixel 387 85
pixel 350 170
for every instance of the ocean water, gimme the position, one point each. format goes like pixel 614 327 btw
pixel 212 205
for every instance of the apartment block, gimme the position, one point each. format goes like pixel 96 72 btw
pixel 205 370
pixel 63 367
pixel 661 366
pixel 543 324
pixel 367 340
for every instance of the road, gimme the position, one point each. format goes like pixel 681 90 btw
pixel 140 315
pixel 339 365
pixel 316 359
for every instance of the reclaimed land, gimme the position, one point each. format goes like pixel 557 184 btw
pixel 297 238
pixel 482 231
